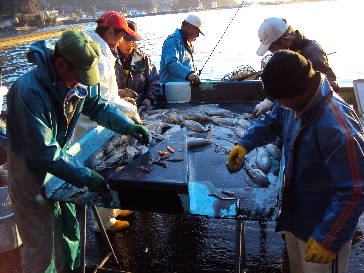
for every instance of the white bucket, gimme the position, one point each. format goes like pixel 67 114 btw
pixel 178 92
pixel 3 92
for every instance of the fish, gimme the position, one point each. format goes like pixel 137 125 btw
pixel 194 142
pixel 176 159
pixel 263 161
pixel 160 163
pixel 194 126
pixel 273 151
pixel 258 177
pixel 170 149
pixel 222 121
pixel 171 117
pixel 219 112
pixel 196 117
pixel 243 124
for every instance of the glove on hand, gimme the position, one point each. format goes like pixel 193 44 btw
pixel 139 132
pixel 316 253
pixel 262 107
pixel 194 79
pixel 131 100
pixel 97 183
pixel 235 158
pixel 126 92
pixel 147 103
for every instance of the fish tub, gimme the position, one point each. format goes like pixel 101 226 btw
pixel 194 178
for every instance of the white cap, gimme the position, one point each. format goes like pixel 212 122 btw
pixel 195 21
pixel 270 31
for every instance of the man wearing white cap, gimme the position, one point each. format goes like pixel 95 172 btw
pixel 177 64
pixel 275 34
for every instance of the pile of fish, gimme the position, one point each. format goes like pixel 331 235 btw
pixel 206 124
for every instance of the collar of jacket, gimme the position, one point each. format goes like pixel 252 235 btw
pixel 181 36
pixel 299 43
pixel 324 91
pixel 105 49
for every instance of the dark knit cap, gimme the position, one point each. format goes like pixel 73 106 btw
pixel 287 74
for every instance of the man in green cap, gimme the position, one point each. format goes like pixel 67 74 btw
pixel 43 107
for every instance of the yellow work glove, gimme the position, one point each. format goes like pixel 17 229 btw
pixel 235 158
pixel 316 253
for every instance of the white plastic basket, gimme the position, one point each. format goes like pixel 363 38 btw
pixel 178 92
pixel 9 236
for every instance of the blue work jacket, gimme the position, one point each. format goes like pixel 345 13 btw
pixel 176 60
pixel 324 168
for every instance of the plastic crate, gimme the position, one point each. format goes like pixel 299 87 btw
pixel 9 236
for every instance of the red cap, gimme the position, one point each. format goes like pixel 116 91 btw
pixel 114 19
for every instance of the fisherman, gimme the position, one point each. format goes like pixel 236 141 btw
pixel 275 34
pixel 43 107
pixel 111 29
pixel 323 145
pixel 177 64
pixel 136 76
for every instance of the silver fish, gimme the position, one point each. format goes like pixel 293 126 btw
pixel 273 151
pixel 196 117
pixel 194 126
pixel 222 121
pixel 259 177
pixel 194 142
pixel 263 161
pixel 219 112
pixel 171 117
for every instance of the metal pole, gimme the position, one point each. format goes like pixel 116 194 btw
pixel 240 246
pixel 102 228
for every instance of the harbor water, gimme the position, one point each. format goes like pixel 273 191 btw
pixel 183 243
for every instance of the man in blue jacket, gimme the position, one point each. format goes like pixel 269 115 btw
pixel 177 63
pixel 43 107
pixel 323 179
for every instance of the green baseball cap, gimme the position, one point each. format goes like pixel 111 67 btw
pixel 83 53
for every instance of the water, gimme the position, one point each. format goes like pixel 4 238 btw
pixel 334 24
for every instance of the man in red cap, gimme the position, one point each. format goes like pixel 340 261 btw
pixel 111 29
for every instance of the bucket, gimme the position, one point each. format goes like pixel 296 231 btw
pixel 9 236
pixel 178 92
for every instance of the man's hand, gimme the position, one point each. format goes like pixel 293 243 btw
pixel 139 132
pixel 147 103
pixel 194 79
pixel 130 100
pixel 126 92
pixel 97 183
pixel 316 253
pixel 262 107
pixel 235 158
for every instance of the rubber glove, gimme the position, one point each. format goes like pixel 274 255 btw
pixel 126 92
pixel 194 79
pixel 97 183
pixel 147 103
pixel 139 132
pixel 235 158
pixel 316 253
pixel 262 107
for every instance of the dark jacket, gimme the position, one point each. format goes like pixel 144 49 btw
pixel 177 59
pixel 313 52
pixel 324 175
pixel 140 75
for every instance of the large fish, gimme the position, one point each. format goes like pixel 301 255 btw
pixel 194 126
pixel 196 116
pixel 263 161
pixel 223 121
pixel 273 151
pixel 195 142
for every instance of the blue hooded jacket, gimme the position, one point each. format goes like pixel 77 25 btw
pixel 176 60
pixel 324 176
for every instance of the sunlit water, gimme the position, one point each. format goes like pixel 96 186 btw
pixel 336 25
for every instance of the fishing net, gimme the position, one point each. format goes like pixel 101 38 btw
pixel 246 72
pixel 243 72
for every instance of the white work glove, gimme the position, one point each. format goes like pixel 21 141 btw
pixel 126 92
pixel 262 107
pixel 130 100
pixel 194 79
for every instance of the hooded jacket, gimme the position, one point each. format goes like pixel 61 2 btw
pixel 41 118
pixel 177 59
pixel 323 186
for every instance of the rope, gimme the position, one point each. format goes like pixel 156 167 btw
pixel 231 20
